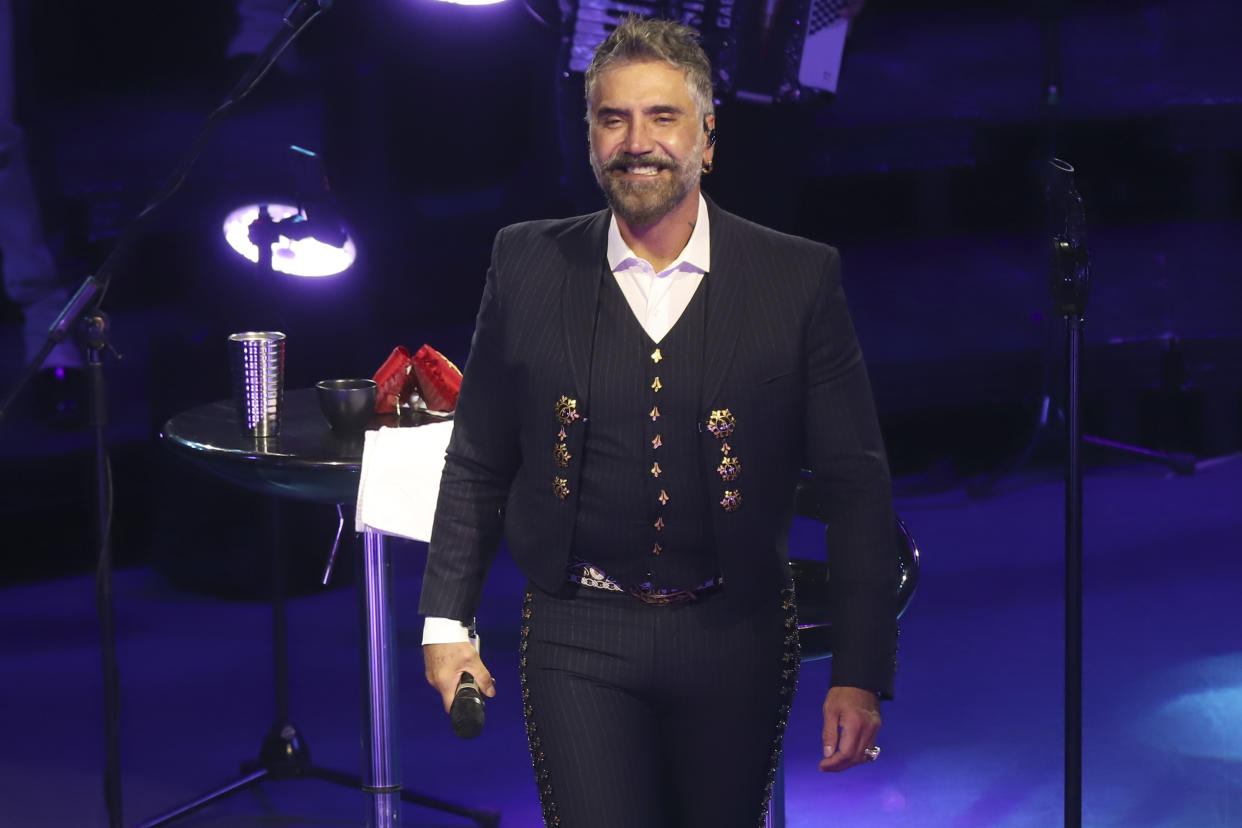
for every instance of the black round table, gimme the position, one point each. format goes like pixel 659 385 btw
pixel 308 461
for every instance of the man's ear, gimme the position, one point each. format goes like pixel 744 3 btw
pixel 709 151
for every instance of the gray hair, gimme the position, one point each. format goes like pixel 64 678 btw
pixel 638 39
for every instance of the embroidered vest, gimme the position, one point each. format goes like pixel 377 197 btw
pixel 643 507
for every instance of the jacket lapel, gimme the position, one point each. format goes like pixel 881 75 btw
pixel 586 261
pixel 726 299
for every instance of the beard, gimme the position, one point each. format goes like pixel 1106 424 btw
pixel 642 203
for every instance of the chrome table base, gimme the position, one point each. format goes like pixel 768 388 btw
pixel 382 774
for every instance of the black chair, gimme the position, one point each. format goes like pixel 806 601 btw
pixel 815 611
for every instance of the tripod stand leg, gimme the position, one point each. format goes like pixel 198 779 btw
pixel 483 818
pixel 1180 462
pixel 206 799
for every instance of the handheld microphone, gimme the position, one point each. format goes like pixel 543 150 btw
pixel 467 711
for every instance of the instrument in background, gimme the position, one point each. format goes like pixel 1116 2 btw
pixel 762 52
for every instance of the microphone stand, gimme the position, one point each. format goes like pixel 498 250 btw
pixel 1069 280
pixel 82 315
pixel 1051 412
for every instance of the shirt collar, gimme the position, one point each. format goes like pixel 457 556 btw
pixel 697 254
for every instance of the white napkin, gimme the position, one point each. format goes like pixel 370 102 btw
pixel 401 479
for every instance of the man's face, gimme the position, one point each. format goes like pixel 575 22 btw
pixel 647 141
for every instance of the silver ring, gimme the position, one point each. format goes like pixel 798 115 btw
pixel 872 753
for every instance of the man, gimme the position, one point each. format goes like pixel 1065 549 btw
pixel 643 388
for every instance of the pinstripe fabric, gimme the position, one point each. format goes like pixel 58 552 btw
pixel 656 717
pixel 620 494
pixel 780 355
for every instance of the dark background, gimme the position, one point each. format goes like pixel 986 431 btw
pixel 439 124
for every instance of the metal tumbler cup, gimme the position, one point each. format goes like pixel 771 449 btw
pixel 257 364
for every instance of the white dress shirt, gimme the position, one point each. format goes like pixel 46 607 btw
pixel 657 299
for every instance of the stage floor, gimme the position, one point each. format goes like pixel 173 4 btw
pixel 974 737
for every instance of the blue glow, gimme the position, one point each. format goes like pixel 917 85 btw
pixel 1208 722
pixel 1207 717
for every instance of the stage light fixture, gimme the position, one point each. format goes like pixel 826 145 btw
pixel 307 238
pixel 291 252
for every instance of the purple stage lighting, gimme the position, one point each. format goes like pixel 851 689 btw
pixel 307 257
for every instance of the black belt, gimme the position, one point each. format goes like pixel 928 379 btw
pixel 595 578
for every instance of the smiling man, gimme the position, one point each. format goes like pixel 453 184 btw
pixel 647 148
pixel 644 387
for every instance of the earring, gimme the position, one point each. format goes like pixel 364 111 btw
pixel 707 167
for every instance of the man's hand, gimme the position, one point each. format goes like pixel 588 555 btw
pixel 851 721
pixel 444 664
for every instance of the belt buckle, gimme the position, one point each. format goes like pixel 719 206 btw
pixel 663 599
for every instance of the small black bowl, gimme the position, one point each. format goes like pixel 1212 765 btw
pixel 347 404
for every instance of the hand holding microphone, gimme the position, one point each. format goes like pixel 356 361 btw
pixel 458 674
pixel 467 711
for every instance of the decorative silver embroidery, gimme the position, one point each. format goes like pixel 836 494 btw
pixel 792 657
pixel 538 759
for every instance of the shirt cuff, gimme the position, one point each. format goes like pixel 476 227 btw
pixel 444 631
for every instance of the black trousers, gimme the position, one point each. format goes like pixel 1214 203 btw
pixel 644 716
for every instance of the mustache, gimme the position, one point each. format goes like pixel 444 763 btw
pixel 621 162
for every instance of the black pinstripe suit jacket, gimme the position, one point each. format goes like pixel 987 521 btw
pixel 780 355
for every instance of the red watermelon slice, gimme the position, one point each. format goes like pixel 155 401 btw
pixel 395 380
pixel 438 379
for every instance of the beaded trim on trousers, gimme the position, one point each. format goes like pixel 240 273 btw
pixel 791 661
pixel 538 759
